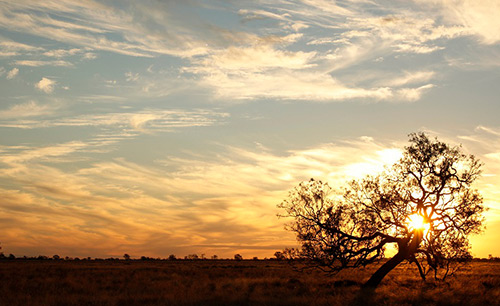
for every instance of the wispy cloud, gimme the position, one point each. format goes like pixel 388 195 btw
pixel 289 85
pixel 300 40
pixel 43 153
pixel 356 35
pixel 140 121
pixel 412 94
pixel 59 53
pixel 36 63
pixel 415 77
pixel 259 57
pixel 12 73
pixel 90 24
pixel 28 109
pixel 13 46
pixel 479 17
pixel 89 56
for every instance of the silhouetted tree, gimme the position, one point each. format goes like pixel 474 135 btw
pixel 214 257
pixel 172 257
pixel 126 256
pixel 279 255
pixel 424 205
pixel 56 257
pixel 238 257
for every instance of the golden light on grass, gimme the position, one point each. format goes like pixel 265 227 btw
pixel 417 222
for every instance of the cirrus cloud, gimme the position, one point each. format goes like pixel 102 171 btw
pixel 12 73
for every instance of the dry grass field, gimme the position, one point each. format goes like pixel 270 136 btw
pixel 211 282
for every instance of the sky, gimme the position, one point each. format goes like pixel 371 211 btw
pixel 176 127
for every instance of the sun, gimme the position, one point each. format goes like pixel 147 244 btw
pixel 417 222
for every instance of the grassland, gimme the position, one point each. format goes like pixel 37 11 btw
pixel 211 282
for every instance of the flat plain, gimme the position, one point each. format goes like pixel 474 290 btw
pixel 230 282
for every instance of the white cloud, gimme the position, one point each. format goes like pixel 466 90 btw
pixel 479 17
pixel 272 70
pixel 288 85
pixel 412 94
pixel 46 85
pixel 256 58
pixel 402 32
pixel 263 70
pixel 12 73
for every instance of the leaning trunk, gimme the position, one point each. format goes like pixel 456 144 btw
pixel 377 277
pixel 405 250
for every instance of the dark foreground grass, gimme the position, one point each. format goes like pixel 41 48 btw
pixel 231 283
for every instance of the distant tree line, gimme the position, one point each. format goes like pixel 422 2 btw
pixel 278 256
pixel 126 257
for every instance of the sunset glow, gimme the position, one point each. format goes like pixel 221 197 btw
pixel 175 127
pixel 417 222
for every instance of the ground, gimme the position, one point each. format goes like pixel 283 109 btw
pixel 229 282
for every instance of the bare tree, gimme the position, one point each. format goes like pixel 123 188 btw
pixel 424 205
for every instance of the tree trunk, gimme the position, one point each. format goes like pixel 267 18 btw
pixel 377 277
pixel 405 249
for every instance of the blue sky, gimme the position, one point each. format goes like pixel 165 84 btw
pixel 160 127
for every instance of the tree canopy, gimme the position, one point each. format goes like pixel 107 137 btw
pixel 424 204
